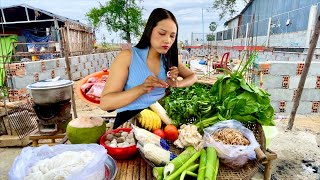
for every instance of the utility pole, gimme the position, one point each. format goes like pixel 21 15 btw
pixel 202 29
pixel 312 46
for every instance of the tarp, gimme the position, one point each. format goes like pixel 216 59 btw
pixel 6 50
pixel 32 38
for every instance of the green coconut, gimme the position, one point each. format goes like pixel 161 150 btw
pixel 85 130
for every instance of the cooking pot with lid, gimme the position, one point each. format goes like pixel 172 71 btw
pixel 51 91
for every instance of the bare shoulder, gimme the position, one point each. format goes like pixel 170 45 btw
pixel 126 52
pixel 122 61
pixel 124 56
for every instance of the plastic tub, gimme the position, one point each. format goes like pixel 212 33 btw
pixel 119 153
pixel 82 95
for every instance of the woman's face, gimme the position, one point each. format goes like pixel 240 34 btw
pixel 163 35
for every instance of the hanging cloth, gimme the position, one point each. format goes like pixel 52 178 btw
pixel 33 38
pixel 6 51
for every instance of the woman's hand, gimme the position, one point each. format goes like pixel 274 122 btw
pixel 153 82
pixel 172 76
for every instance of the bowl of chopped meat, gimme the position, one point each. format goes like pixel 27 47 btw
pixel 89 89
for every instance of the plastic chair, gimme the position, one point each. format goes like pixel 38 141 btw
pixel 223 63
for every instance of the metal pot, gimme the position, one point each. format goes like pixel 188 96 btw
pixel 51 91
pixel 111 168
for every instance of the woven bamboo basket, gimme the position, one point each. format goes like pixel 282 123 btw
pixel 225 172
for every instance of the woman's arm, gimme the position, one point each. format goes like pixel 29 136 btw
pixel 189 77
pixel 113 96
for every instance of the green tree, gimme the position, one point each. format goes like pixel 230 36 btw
pixel 227 7
pixel 118 15
pixel 213 26
pixel 211 37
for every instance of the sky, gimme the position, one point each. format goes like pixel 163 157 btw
pixel 187 12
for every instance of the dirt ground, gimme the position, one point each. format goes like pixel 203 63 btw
pixel 298 150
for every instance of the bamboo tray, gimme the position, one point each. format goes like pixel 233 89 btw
pixel 227 173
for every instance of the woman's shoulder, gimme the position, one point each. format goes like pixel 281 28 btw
pixel 123 58
pixel 125 53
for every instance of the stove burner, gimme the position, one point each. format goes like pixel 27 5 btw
pixel 52 118
pixel 46 112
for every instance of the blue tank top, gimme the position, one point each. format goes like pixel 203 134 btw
pixel 138 72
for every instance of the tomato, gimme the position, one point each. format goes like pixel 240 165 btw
pixel 159 132
pixel 171 132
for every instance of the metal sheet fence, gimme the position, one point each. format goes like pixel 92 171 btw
pixel 259 24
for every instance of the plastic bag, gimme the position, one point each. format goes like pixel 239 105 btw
pixel 29 156
pixel 233 156
pixel 144 137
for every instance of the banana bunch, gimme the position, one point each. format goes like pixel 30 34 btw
pixel 149 120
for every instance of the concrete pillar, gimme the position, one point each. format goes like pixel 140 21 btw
pixel 56 26
pixel 268 32
pixel 247 34
pixel 222 38
pixel 232 36
pixel 311 23
pixel 215 39
pixel 192 38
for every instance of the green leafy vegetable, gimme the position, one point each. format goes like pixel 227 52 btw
pixel 230 97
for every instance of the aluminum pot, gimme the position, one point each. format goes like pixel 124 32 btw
pixel 111 168
pixel 51 91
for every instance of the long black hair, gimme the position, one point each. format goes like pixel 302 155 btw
pixel 158 14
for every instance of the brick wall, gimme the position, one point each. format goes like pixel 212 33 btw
pixel 281 80
pixel 20 75
pixel 282 76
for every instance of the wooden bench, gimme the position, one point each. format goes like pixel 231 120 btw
pixel 52 138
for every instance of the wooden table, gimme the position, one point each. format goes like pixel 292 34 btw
pixel 137 168
pixel 134 168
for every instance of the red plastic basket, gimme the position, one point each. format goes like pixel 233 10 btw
pixel 119 153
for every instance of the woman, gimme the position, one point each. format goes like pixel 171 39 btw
pixel 139 77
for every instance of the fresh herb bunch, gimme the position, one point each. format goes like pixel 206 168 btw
pixel 185 105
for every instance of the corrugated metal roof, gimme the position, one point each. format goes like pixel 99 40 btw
pixel 244 9
pixel 59 18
